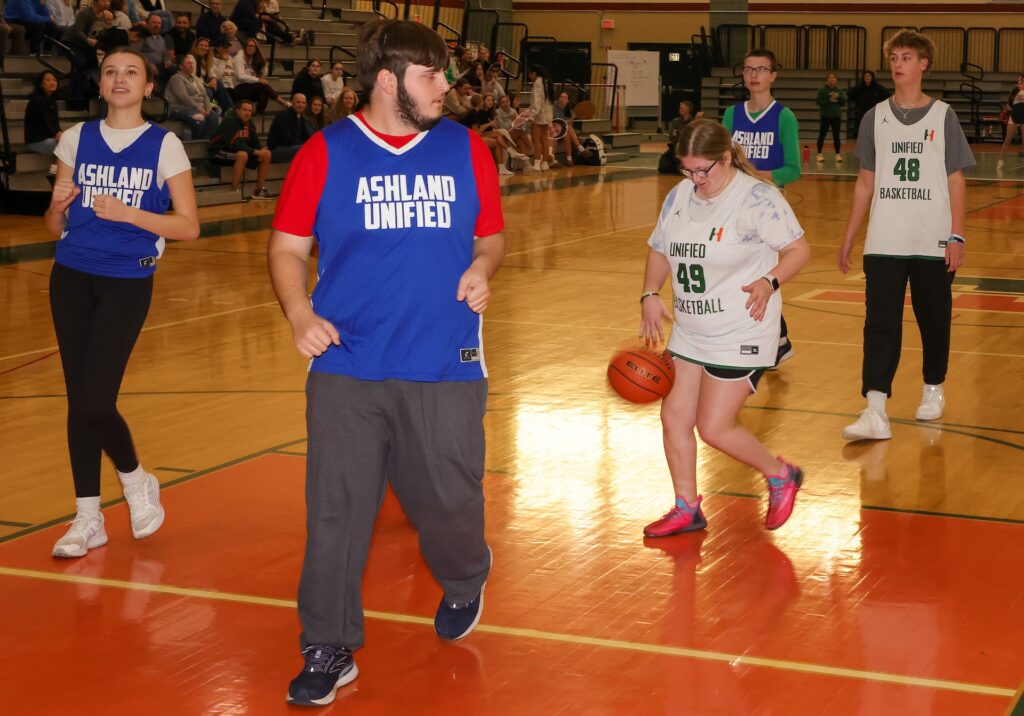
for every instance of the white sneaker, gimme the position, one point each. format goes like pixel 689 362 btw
pixel 932 402
pixel 999 164
pixel 544 166
pixel 86 533
pixel 504 171
pixel 531 167
pixel 143 500
pixel 870 425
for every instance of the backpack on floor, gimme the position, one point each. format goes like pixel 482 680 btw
pixel 597 156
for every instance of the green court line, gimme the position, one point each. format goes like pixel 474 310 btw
pixel 733 660
pixel 8 523
pixel 174 469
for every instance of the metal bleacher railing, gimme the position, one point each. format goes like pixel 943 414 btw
pixel 801 47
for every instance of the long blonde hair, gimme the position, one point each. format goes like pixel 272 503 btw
pixel 707 139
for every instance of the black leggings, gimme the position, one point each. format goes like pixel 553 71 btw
pixel 97 320
pixel 932 299
pixel 824 124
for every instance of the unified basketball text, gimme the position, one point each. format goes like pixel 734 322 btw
pixel 125 183
pixel 757 145
pixel 400 201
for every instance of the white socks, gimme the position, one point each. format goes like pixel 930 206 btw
pixel 876 401
pixel 88 505
pixel 131 478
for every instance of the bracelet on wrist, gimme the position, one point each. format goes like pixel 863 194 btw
pixel 957 239
pixel 647 295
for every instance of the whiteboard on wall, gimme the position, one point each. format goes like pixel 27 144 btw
pixel 639 73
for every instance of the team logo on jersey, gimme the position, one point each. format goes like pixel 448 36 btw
pixel 469 355
pixel 929 135
pixel 716 233
pixel 749 350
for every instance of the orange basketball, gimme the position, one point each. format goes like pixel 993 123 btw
pixel 641 376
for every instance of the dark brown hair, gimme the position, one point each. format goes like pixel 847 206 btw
pixel 394 45
pixel 766 54
pixel 126 50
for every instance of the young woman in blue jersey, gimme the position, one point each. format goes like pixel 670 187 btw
pixel 726 240
pixel 115 180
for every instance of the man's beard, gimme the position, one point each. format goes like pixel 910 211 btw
pixel 408 112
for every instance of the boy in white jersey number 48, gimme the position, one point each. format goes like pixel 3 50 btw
pixel 725 240
pixel 912 155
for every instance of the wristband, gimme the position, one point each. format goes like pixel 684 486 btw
pixel 648 295
pixel 957 239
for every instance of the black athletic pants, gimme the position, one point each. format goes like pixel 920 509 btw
pixel 97 320
pixel 824 124
pixel 932 299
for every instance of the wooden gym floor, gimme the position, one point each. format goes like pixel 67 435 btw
pixel 896 588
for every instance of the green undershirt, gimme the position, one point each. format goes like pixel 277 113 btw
pixel 789 133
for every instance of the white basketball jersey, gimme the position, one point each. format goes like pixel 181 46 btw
pixel 910 212
pixel 710 265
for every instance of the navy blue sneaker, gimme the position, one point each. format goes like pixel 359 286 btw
pixel 327 669
pixel 456 621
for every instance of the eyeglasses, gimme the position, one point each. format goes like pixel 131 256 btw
pixel 756 70
pixel 699 173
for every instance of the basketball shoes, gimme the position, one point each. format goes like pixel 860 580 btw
pixel 933 400
pixel 871 424
pixel 326 670
pixel 142 493
pixel 678 519
pixel 86 532
pixel 782 489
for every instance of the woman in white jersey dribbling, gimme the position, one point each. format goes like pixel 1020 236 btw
pixel 726 240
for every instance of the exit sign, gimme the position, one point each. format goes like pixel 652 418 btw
pixel 673 57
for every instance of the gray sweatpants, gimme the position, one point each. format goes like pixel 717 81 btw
pixel 427 440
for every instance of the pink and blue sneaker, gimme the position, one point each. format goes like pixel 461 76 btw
pixel 681 518
pixel 782 489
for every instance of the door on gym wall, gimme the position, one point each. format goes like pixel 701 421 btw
pixel 681 67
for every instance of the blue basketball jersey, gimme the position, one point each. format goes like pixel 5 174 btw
pixel 114 248
pixel 760 138
pixel 395 228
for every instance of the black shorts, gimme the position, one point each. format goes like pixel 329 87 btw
pixel 1017 113
pixel 751 375
pixel 227 159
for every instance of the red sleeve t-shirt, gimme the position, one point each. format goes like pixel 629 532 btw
pixel 300 196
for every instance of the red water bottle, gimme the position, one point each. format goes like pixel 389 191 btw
pixel 805 155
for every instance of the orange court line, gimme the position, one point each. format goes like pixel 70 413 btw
pixel 964 301
pixel 526 633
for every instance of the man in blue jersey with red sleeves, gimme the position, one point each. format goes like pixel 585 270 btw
pixel 405 207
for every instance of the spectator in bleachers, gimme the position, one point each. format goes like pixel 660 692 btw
pixel 208 24
pixel 250 77
pixel 229 32
pixel 156 50
pixel 224 66
pixel 483 55
pixel 12 40
pixel 244 16
pixel 133 12
pixel 541 114
pixel 42 119
pixel 333 83
pixel 455 68
pixel 345 105
pixel 455 106
pixel 1014 119
pixel 668 163
pixel 316 113
pixel 188 102
pixel 493 83
pixel 80 38
pixel 506 117
pixel 289 131
pixel 156 7
pixel 307 80
pixel 61 14
pixel 865 95
pixel 480 120
pixel 181 37
pixel 121 20
pixel 477 76
pixel 236 144
pixel 830 100
pixel 272 27
pixel 562 109
pixel 205 71
pixel 34 17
